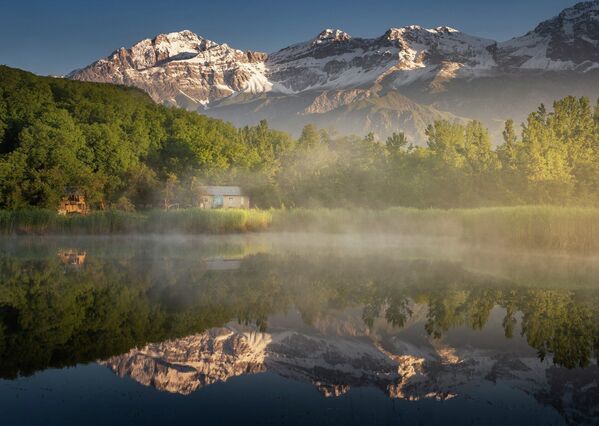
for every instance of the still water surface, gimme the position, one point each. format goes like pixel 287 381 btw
pixel 292 329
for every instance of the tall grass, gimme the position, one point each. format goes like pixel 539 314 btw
pixel 405 221
pixel 198 221
pixel 535 227
pixel 567 229
pixel 38 222
pixel 190 221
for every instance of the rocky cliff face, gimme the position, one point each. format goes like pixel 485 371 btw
pixel 567 42
pixel 181 69
pixel 442 69
pixel 184 66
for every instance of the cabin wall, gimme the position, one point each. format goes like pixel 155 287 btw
pixel 235 202
pixel 205 202
pixel 225 202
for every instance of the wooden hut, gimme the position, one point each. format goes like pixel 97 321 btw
pixel 73 202
pixel 223 197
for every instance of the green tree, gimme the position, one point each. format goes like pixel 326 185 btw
pixel 478 154
pixel 545 159
pixel 396 143
pixel 508 151
pixel 54 156
pixel 310 137
pixel 446 141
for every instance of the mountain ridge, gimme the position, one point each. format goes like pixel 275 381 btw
pixel 333 70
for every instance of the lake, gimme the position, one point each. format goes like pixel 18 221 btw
pixel 294 329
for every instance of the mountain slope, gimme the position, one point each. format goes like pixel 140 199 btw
pixel 181 69
pixel 352 111
pixel 345 82
pixel 567 42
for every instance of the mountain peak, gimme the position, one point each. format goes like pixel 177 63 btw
pixel 566 41
pixel 331 35
pixel 333 71
pixel 581 19
pixel 178 36
pixel 393 33
pixel 581 8
pixel 183 33
pixel 445 30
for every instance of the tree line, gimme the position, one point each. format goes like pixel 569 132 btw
pixel 124 151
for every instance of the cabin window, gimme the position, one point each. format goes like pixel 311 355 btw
pixel 217 201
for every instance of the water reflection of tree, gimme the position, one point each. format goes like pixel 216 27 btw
pixel 52 318
pixel 563 324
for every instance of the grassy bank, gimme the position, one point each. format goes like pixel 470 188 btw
pixel 572 229
pixel 188 221
pixel 569 229
pixel 405 221
pixel 536 227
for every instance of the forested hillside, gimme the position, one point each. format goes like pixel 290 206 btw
pixel 114 143
pixel 124 151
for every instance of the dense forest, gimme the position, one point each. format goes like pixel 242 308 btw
pixel 124 151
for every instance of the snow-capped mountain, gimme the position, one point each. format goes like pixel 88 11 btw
pixel 570 41
pixel 402 80
pixel 182 69
pixel 183 64
pixel 335 60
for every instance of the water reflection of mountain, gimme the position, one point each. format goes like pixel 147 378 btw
pixel 336 364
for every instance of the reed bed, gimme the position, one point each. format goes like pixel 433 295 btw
pixel 198 221
pixel 41 222
pixel 567 229
pixel 405 221
pixel 188 221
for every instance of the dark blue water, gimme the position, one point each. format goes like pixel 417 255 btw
pixel 228 331
pixel 92 395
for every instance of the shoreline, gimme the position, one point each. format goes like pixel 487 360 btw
pixel 562 229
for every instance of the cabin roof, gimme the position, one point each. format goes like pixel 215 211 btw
pixel 223 190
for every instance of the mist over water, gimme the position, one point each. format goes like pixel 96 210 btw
pixel 315 321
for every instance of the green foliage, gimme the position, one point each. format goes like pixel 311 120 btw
pixel 309 138
pixel 447 142
pixel 198 221
pixel 115 144
pixel 567 229
pixel 396 143
pixel 564 229
pixel 185 221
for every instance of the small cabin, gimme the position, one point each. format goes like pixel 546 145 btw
pixel 223 197
pixel 73 202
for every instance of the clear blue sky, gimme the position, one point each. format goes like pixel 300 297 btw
pixel 57 36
